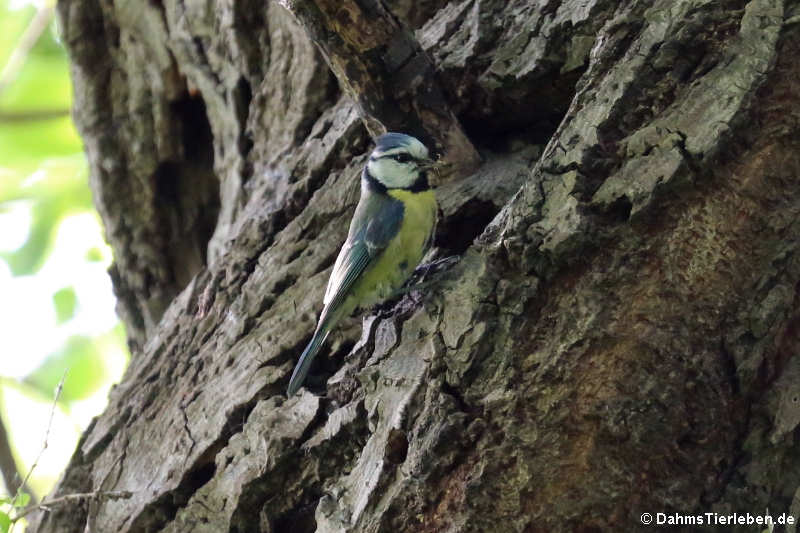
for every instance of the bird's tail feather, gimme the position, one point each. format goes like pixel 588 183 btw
pixel 303 365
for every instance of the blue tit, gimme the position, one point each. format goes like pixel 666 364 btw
pixel 389 234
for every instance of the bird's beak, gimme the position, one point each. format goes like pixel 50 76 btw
pixel 437 166
pixel 432 164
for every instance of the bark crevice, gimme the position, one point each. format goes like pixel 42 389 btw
pixel 617 337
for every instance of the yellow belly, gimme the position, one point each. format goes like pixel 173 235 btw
pixel 398 261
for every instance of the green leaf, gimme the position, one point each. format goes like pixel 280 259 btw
pixel 22 499
pixel 5 522
pixel 65 301
pixel 42 85
pixel 23 145
pixel 29 257
pixel 85 365
pixel 94 254
pixel 61 190
pixel 26 93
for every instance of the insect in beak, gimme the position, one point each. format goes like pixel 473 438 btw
pixel 436 166
pixel 432 164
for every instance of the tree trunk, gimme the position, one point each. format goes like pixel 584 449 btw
pixel 619 335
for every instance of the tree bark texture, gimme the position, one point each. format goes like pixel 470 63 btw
pixel 618 337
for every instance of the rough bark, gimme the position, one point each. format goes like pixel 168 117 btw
pixel 618 337
pixel 383 68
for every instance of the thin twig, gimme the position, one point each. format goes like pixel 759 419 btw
pixel 32 115
pixel 8 465
pixel 77 497
pixel 26 42
pixel 57 395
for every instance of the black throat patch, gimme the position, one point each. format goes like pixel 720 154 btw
pixel 419 185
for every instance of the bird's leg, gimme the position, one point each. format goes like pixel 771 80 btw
pixel 415 282
pixel 383 309
pixel 411 290
pixel 436 265
pixel 405 289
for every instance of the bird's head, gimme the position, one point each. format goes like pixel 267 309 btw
pixel 399 161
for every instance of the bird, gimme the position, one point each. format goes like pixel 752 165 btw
pixel 390 231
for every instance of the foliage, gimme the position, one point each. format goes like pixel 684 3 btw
pixel 43 188
pixel 9 508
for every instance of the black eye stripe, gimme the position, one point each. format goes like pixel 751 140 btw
pixel 400 158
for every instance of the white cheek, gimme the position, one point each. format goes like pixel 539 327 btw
pixel 390 173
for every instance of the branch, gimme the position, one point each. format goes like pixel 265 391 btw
pixel 71 498
pixel 56 396
pixel 383 68
pixel 8 466
pixel 32 33
pixel 32 115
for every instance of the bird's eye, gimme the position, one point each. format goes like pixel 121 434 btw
pixel 402 158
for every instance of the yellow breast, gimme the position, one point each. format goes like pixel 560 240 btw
pixel 401 257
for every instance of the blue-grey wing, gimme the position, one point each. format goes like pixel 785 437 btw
pixel 376 221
